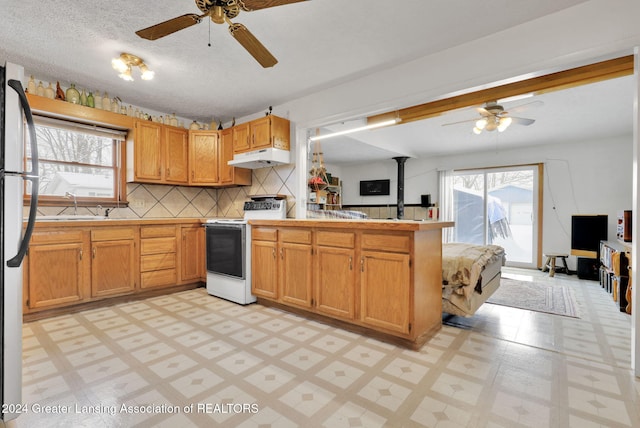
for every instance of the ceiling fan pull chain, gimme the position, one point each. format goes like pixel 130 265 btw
pixel 209 44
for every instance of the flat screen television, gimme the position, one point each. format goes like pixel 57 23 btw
pixel 586 233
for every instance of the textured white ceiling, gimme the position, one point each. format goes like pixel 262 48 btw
pixel 319 43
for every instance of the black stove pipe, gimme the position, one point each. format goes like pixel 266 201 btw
pixel 401 160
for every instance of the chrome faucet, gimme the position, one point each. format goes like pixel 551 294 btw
pixel 70 195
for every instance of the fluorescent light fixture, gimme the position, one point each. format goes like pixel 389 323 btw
pixel 358 129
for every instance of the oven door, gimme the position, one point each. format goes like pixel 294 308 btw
pixel 226 249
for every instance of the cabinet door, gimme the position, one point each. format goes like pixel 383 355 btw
pixel 55 274
pixel 176 157
pixel 264 269
pixel 192 254
pixel 203 157
pixel 335 282
pixel 296 264
pixel 113 269
pixel 148 150
pixel 260 133
pixel 241 138
pixel 385 290
pixel 225 155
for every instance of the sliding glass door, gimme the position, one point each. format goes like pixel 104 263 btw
pixel 499 206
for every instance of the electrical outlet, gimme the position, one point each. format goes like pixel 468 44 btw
pixel 137 204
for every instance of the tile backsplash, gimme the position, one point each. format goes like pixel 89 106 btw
pixel 163 201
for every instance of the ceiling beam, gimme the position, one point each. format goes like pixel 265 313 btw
pixel 591 73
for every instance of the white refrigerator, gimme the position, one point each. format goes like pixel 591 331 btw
pixel 16 130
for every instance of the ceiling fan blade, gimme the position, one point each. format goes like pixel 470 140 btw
pixel 522 120
pixel 483 111
pixel 252 45
pixel 170 26
pixel 249 5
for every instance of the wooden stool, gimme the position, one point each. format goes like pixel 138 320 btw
pixel 551 266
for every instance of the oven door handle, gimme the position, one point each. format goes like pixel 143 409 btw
pixel 225 225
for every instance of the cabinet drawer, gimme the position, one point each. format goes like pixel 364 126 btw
pixel 263 234
pixel 158 245
pixel 335 239
pixel 159 278
pixel 298 236
pixel 157 262
pixel 157 231
pixel 56 237
pixel 112 234
pixel 380 242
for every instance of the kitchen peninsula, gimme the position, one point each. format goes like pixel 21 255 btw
pixel 381 278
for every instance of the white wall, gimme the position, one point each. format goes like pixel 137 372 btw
pixel 592 177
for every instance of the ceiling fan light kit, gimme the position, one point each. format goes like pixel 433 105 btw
pixel 221 11
pixel 494 117
pixel 125 62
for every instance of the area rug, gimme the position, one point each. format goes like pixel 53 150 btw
pixel 552 298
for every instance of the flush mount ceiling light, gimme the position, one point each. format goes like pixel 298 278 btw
pixel 123 65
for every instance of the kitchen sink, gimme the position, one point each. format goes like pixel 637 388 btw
pixel 70 217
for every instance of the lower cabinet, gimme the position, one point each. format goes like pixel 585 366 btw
pixel 360 277
pixel 56 269
pixel 264 262
pixel 114 267
pixel 192 254
pixel 296 266
pixel 158 256
pixel 69 265
pixel 385 289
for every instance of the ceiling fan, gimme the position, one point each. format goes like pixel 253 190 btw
pixel 221 11
pixel 494 117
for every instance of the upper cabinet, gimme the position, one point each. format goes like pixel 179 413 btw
pixel 267 131
pixel 164 154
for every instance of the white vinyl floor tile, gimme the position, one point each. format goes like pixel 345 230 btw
pixel 192 360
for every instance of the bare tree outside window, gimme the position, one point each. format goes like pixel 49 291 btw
pixel 76 162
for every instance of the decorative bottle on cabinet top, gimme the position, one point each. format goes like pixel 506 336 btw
pixel 49 92
pixel 40 89
pixel 31 86
pixel 91 102
pixel 73 96
pixel 106 102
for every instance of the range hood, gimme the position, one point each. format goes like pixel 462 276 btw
pixel 261 158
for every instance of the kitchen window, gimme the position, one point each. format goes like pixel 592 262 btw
pixel 80 162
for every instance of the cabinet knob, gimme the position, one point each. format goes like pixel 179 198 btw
pixel 362 264
pixel 274 252
pixel 282 253
pixel 350 262
pixel 93 252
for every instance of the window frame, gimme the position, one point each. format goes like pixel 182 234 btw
pixel 118 165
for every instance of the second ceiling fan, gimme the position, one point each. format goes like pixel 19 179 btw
pixel 221 11
pixel 494 117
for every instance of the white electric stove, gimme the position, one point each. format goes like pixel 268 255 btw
pixel 228 247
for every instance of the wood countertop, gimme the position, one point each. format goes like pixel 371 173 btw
pixel 390 225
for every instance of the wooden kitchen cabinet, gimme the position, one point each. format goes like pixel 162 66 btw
pixel 241 138
pixel 385 290
pixel 335 273
pixel 203 158
pixel 267 131
pixel 114 261
pixel 159 153
pixel 379 277
pixel 176 155
pixel 56 269
pixel 192 254
pixel 147 152
pixel 230 175
pixel 158 256
pixel 296 267
pixel 264 262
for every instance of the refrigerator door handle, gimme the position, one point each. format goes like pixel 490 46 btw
pixel 33 176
